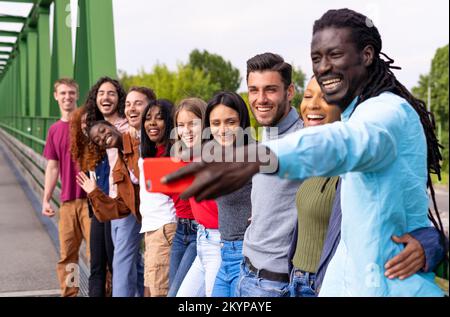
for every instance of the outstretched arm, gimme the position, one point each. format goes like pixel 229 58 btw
pixel 226 174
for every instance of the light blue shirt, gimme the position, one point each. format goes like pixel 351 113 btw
pixel 380 151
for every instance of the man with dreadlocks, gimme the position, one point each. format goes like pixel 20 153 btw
pixel 380 149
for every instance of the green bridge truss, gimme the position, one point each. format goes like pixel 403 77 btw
pixel 30 64
pixel 30 61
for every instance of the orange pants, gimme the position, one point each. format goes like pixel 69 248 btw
pixel 74 226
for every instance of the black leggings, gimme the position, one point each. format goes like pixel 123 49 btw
pixel 102 250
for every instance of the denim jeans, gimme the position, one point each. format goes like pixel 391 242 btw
pixel 183 253
pixel 302 284
pixel 200 279
pixel 228 275
pixel 128 268
pixel 251 285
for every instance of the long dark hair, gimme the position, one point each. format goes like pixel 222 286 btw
pixel 234 101
pixel 148 147
pixel 382 79
pixel 93 114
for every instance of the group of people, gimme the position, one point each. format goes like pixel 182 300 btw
pixel 341 212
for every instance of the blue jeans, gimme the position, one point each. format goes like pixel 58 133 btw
pixel 302 283
pixel 252 285
pixel 128 268
pixel 199 281
pixel 230 267
pixel 183 253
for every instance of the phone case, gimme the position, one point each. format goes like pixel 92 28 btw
pixel 156 168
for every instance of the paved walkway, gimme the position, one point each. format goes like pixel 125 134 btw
pixel 27 255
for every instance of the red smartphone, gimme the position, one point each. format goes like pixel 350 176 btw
pixel 156 168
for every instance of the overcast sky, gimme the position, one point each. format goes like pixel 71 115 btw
pixel 166 31
pixel 148 32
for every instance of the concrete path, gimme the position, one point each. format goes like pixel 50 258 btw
pixel 27 255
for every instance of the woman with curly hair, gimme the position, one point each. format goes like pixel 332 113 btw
pixel 85 153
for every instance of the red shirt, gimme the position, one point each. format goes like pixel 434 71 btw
pixel 206 213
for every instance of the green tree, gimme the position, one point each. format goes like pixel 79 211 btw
pixel 298 79
pixel 253 121
pixel 221 72
pixel 436 82
pixel 173 85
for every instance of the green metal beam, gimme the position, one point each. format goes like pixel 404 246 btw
pixel 23 82
pixel 25 76
pixel 31 71
pixel 9 33
pixel 95 48
pixel 62 54
pixel 7 44
pixel 43 58
pixel 12 18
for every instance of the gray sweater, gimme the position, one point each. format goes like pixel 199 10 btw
pixel 274 213
pixel 235 209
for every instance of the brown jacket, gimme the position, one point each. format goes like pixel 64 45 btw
pixel 127 200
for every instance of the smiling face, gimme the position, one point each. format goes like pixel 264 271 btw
pixel 189 128
pixel 338 65
pixel 224 122
pixel 105 136
pixel 107 99
pixel 154 125
pixel 314 109
pixel 134 106
pixel 268 98
pixel 67 97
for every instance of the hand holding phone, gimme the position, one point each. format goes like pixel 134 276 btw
pixel 156 168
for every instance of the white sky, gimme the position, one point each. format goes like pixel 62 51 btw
pixel 166 31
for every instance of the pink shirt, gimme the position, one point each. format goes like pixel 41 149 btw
pixel 57 147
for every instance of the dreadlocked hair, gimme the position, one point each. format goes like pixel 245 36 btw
pixel 382 79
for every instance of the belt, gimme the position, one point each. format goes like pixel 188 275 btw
pixel 268 275
pixel 187 221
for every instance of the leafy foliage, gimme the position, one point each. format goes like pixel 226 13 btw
pixel 437 81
